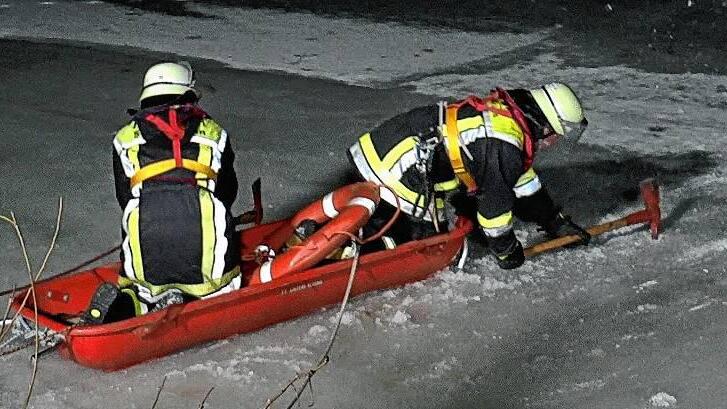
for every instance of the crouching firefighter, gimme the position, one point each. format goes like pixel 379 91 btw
pixel 175 181
pixel 481 147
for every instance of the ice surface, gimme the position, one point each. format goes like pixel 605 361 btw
pixel 597 327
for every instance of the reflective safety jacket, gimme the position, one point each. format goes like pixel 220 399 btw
pixel 492 146
pixel 175 180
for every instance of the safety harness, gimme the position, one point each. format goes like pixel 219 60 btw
pixel 175 133
pixel 454 143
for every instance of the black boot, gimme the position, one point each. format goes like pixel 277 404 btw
pixel 507 250
pixel 101 302
pixel 562 225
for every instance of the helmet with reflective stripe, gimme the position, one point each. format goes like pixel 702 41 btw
pixel 562 108
pixel 168 78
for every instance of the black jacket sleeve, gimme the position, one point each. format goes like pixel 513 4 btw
pixel 496 177
pixel 123 190
pixel 226 189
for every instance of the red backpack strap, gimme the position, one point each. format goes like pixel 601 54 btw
pixel 517 114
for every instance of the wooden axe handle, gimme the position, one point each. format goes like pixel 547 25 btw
pixel 566 240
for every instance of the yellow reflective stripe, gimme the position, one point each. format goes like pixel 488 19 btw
pixel 138 311
pixel 526 177
pixel 127 134
pixel 446 186
pixel 133 154
pixel 204 157
pixel 198 290
pixel 499 221
pixel 382 171
pixel 163 166
pixel 207 218
pixel 210 129
pixel 135 244
pixel 506 128
pixel 473 122
pixel 439 203
pixel 392 157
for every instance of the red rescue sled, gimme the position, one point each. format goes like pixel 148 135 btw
pixel 121 344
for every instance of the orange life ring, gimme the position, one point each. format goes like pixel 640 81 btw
pixel 347 209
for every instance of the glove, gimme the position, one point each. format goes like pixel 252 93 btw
pixel 507 250
pixel 562 225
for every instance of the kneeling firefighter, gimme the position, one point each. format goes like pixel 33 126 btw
pixel 175 181
pixel 482 146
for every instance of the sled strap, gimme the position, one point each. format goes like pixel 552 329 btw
pixel 157 168
pixel 453 150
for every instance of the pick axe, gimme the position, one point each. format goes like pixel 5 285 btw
pixel 651 214
pixel 255 215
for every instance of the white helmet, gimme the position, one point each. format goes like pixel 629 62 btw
pixel 168 78
pixel 562 109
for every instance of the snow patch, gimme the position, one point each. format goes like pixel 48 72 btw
pixel 641 287
pixel 399 318
pixel 227 372
pixel 317 330
pixel 715 246
pixel 662 400
pixel 590 385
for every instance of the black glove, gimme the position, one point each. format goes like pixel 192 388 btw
pixel 507 250
pixel 562 225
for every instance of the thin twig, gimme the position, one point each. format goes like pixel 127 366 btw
pixel 159 392
pixel 7 313
pixel 13 222
pixel 201 405
pixel 35 301
pixel 19 234
pixel 53 240
pixel 325 357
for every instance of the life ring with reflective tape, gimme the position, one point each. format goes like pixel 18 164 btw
pixel 345 210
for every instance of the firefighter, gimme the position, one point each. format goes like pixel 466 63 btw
pixel 484 147
pixel 175 182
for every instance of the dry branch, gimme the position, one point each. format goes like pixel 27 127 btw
pixel 201 405
pixel 13 222
pixel 325 357
pixel 159 392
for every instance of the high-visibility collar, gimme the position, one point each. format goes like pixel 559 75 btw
pixel 484 105
pixel 174 131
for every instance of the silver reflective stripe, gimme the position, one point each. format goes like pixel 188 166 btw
pixel 389 243
pixel 405 162
pixel 528 189
pixel 469 136
pixel 497 231
pixel 328 208
pixel 367 203
pixel 126 246
pixel 362 165
pixel 218 267
pixel 266 275
pixel 234 285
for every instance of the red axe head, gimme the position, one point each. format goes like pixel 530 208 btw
pixel 652 214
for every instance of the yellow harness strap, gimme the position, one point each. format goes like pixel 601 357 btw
pixel 163 166
pixel 453 151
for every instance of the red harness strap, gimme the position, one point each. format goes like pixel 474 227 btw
pixel 519 117
pixel 172 130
